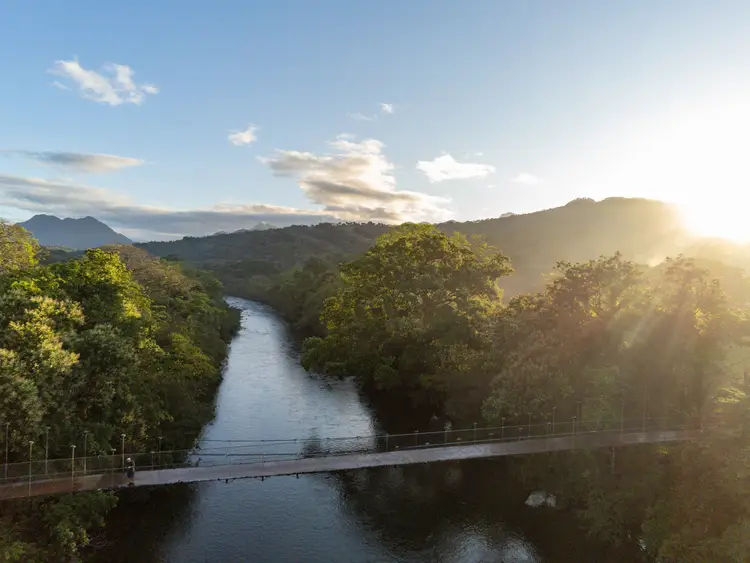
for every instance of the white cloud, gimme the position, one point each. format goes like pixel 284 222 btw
pixel 119 88
pixel 245 137
pixel 526 179
pixel 59 85
pixel 356 183
pixel 448 168
pixel 79 162
pixel 385 109
pixel 65 199
pixel 361 117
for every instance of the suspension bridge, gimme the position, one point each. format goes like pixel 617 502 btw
pixel 224 460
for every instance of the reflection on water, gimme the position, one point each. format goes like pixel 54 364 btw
pixel 460 512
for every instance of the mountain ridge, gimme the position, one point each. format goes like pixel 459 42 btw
pixel 79 234
pixel 643 230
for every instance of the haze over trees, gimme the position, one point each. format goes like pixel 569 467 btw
pixel 419 315
pixel 113 342
pixel 280 265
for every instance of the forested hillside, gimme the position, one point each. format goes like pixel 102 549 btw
pixel 113 342
pixel 295 268
pixel 606 341
pixel 640 229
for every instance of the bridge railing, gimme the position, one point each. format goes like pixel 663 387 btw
pixel 263 451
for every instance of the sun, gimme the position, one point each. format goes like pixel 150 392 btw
pixel 698 160
pixel 728 220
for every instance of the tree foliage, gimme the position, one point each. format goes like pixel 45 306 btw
pixel 419 315
pixel 606 339
pixel 410 313
pixel 113 342
pixel 18 249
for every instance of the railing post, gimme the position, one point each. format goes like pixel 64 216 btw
pixel 73 463
pixel 7 444
pixel 122 436
pixel 416 437
pixel 553 420
pixel 152 460
pixel 160 437
pixel 31 446
pixel 528 433
pixel 112 465
pixel 386 441
pixel 502 436
pixel 46 449
pixel 85 449
pixel 475 432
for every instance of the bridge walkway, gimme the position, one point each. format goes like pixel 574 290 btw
pixel 328 462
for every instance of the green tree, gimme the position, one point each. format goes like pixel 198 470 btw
pixel 18 249
pixel 614 338
pixel 411 314
pixel 111 342
pixel 564 345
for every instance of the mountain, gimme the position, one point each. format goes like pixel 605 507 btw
pixel 263 226
pixel 77 234
pixel 643 230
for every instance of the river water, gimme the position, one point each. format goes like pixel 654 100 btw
pixel 466 512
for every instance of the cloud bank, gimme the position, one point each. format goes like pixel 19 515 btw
pixel 36 195
pixel 118 88
pixel 355 183
pixel 78 162
pixel 448 168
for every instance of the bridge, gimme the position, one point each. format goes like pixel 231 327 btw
pixel 241 459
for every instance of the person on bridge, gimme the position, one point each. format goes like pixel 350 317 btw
pixel 130 470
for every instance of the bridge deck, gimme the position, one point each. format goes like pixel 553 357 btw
pixel 341 462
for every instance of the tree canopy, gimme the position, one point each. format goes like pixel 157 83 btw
pixel 18 249
pixel 115 342
pixel 420 315
pixel 410 312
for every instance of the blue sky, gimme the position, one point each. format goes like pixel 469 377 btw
pixel 390 110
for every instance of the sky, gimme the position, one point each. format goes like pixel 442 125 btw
pixel 166 119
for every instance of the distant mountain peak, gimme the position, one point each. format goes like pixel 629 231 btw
pixel 263 226
pixel 79 234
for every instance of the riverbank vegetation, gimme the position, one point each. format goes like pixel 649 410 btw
pixel 420 314
pixel 114 342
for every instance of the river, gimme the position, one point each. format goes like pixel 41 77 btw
pixel 468 512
